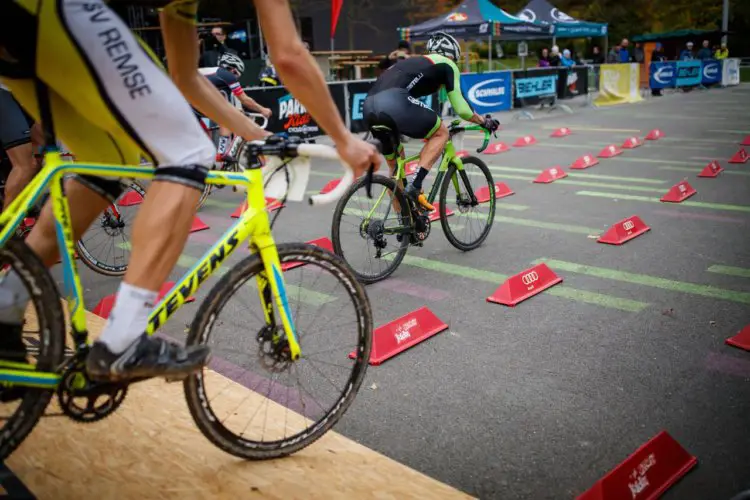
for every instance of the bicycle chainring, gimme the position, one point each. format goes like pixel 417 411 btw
pixel 86 401
pixel 422 228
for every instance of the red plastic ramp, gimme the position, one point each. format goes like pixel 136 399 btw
pixel 104 306
pixel 330 186
pixel 462 154
pixel 198 225
pixel 524 285
pixel 130 199
pixel 631 143
pixel 746 141
pixel 323 242
pixel 271 205
pixel 741 340
pixel 411 167
pixel 713 169
pixel 561 132
pixel 435 214
pixel 740 156
pixel 501 191
pixel 654 135
pixel 526 140
pixel 646 474
pixel 550 175
pixel 610 151
pixel 496 147
pixel 624 231
pixel 402 333
pixel 679 192
pixel 584 162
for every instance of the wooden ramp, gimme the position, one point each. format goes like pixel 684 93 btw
pixel 150 448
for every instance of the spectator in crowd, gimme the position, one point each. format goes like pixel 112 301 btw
pixel 658 55
pixel 723 52
pixel 705 51
pixel 544 58
pixel 215 45
pixel 597 57
pixel 687 53
pixel 554 57
pixel 403 51
pixel 614 55
pixel 566 59
pixel 638 54
pixel 624 52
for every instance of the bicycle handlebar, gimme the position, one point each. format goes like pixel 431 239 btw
pixel 258 115
pixel 284 148
pixel 455 128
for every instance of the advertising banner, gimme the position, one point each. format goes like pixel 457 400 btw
pixel 531 86
pixel 662 75
pixel 619 84
pixel 688 73
pixel 572 82
pixel 730 74
pixel 288 114
pixel 710 71
pixel 488 92
pixel 357 93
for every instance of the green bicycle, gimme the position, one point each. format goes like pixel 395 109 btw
pixel 382 228
pixel 276 359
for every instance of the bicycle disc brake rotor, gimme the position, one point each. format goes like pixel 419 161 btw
pixel 84 400
pixel 463 200
pixel 273 349
pixel 112 225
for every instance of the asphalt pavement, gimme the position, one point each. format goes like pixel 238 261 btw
pixel 541 400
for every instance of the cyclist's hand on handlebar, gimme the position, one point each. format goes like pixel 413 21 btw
pixel 266 112
pixel 359 155
pixel 490 123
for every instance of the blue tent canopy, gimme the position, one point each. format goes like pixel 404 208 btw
pixel 565 25
pixel 480 19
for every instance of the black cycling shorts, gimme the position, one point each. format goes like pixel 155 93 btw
pixel 400 114
pixel 15 124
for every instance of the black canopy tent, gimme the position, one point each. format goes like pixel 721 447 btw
pixel 480 19
pixel 565 25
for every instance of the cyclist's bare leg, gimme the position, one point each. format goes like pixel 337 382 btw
pixel 434 147
pixel 24 169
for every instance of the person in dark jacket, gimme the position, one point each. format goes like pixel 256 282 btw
pixel 597 57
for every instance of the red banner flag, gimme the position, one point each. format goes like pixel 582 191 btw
pixel 335 11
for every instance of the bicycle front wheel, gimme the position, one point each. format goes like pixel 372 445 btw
pixel 471 222
pixel 105 247
pixel 250 377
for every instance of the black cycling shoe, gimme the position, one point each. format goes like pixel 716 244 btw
pixel 12 349
pixel 147 357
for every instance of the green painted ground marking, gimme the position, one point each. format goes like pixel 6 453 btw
pixel 697 204
pixel 652 281
pixel 223 204
pixel 496 279
pixel 306 296
pixel 731 271
pixel 125 245
pixel 696 171
pixel 538 224
pixel 604 185
pixel 654 160
pixel 581 175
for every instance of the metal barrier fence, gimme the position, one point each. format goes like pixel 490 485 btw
pixel 519 90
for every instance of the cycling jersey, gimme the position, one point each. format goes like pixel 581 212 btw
pixel 392 107
pixel 424 75
pixel 111 101
pixel 225 81
pixel 14 123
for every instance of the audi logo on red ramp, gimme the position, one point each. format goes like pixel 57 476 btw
pixel 628 225
pixel 529 278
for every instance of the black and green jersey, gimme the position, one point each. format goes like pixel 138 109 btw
pixel 425 75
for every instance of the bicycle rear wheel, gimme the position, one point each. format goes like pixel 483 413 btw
pixel 44 337
pixel 471 222
pixel 368 244
pixel 105 246
pixel 287 413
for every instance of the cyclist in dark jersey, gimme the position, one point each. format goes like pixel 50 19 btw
pixel 226 79
pixel 392 107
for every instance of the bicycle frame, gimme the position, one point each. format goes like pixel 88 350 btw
pixel 449 156
pixel 253 225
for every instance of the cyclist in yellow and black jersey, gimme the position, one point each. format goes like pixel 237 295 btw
pixel 111 102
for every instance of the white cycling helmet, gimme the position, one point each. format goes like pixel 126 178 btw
pixel 229 60
pixel 444 44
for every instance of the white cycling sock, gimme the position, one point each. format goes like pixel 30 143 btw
pixel 223 144
pixel 129 317
pixel 14 298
